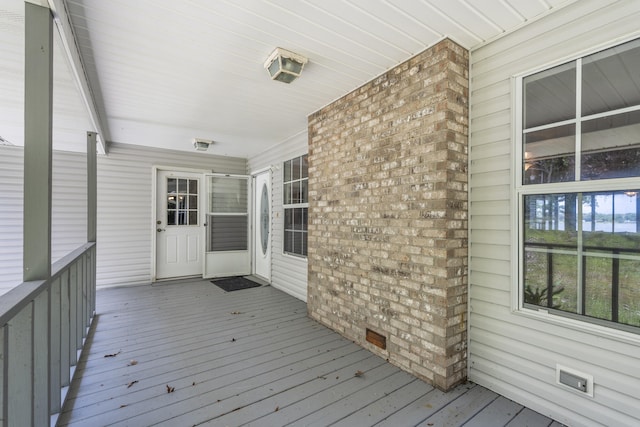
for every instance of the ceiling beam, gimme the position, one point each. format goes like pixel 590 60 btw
pixel 72 53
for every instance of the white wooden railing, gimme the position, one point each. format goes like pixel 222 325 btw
pixel 43 326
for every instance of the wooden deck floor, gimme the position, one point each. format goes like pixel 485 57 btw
pixel 187 353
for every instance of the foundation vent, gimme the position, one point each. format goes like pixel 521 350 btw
pixel 376 339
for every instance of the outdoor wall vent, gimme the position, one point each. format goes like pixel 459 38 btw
pixel 574 380
pixel 376 339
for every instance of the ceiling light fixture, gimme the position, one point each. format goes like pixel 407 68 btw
pixel 284 66
pixel 201 144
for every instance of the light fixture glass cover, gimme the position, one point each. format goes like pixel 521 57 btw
pixel 201 144
pixel 284 66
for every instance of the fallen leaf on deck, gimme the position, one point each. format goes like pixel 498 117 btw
pixel 170 389
pixel 236 312
pixel 233 340
pixel 133 363
pixel 131 383
pixel 321 377
pixel 113 354
pixel 428 405
pixel 123 406
pixel 358 374
pixel 277 409
pixel 193 383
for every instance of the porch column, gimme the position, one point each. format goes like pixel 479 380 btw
pixel 38 107
pixel 92 187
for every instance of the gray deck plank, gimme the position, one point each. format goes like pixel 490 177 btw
pixel 461 409
pixel 529 418
pixel 500 412
pixel 370 391
pixel 425 406
pixel 251 357
pixel 269 398
pixel 391 403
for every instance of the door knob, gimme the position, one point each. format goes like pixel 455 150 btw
pixel 159 229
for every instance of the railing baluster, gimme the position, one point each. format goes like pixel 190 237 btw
pixel 3 375
pixel 41 365
pixel 65 328
pixel 20 369
pixel 54 345
pixel 73 314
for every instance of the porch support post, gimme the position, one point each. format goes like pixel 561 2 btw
pixel 38 107
pixel 92 187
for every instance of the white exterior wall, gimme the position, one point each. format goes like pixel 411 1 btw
pixel 510 352
pixel 68 215
pixel 288 273
pixel 125 182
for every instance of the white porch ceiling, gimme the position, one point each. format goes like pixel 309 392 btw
pixel 166 71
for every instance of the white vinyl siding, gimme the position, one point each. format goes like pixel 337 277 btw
pixel 511 353
pixel 288 273
pixel 68 214
pixel 125 179
pixel 124 248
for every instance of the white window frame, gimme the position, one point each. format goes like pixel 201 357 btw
pixel 619 332
pixel 294 206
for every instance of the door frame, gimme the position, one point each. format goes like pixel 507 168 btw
pixel 154 203
pixel 254 230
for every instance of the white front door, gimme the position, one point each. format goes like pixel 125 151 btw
pixel 262 225
pixel 179 229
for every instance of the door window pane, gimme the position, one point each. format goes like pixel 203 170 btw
pixel 182 201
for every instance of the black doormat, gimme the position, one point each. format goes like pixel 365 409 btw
pixel 230 284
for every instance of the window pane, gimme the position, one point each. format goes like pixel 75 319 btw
pixel 296 168
pixel 610 79
pixel 304 198
pixel 549 155
pixel 171 217
pixel 171 202
pixel 193 217
pixel 610 220
pixel 228 195
pixel 550 280
pixel 287 171
pixel 172 186
pixel 287 194
pixel 182 185
pixel 305 212
pixel 182 202
pixel 550 96
pixel 193 202
pixel 288 241
pixel 629 292
pixel 305 166
pixel 193 186
pixel 551 219
pixel 598 287
pixel 288 219
pixel 182 217
pixel 296 195
pixel 611 147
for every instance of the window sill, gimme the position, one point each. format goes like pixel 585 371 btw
pixel 585 327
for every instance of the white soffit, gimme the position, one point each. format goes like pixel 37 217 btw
pixel 166 71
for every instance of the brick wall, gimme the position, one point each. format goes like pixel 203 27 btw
pixel 388 214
